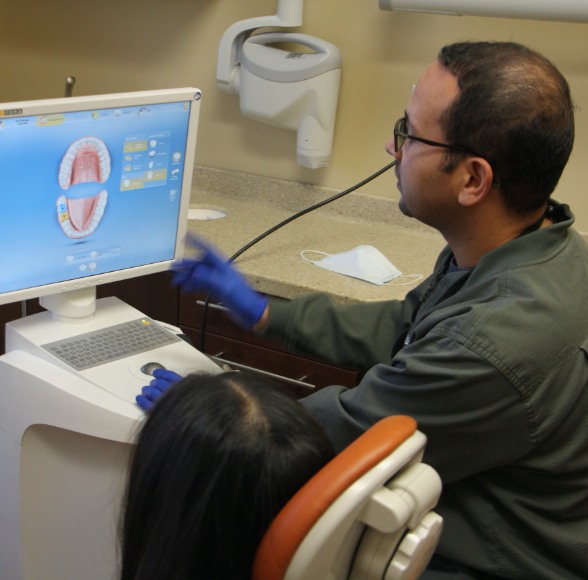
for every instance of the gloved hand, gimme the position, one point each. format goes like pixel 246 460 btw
pixel 162 381
pixel 211 273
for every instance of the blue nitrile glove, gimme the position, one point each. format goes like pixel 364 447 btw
pixel 162 381
pixel 211 273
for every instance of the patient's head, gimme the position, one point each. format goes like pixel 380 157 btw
pixel 216 460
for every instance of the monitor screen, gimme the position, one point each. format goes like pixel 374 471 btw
pixel 93 189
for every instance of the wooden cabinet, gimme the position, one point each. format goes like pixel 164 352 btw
pixel 153 295
pixel 225 340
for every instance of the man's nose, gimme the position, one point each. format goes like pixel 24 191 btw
pixel 391 151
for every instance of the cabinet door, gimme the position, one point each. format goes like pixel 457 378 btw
pixel 153 295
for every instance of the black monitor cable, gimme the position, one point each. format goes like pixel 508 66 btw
pixel 277 227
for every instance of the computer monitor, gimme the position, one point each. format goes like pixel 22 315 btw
pixel 93 189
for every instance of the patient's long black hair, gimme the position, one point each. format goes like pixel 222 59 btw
pixel 214 463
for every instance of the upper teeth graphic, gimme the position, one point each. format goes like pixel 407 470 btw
pixel 87 159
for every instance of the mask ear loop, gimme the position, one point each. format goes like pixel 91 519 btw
pixel 312 252
pixel 415 279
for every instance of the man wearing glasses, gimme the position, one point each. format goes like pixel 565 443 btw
pixel 490 353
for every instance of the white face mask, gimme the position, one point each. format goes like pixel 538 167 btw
pixel 363 262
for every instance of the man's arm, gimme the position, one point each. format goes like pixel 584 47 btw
pixel 472 415
pixel 354 335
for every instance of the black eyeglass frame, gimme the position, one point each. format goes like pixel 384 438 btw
pixel 398 144
pixel 402 134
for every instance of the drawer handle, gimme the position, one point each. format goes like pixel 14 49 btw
pixel 212 305
pixel 241 367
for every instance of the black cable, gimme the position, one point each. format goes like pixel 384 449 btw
pixel 277 227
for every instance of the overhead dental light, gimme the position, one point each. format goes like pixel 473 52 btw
pixel 281 86
pixel 558 10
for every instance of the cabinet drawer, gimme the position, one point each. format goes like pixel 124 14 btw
pixel 218 322
pixel 300 375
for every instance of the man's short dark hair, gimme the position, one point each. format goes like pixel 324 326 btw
pixel 515 108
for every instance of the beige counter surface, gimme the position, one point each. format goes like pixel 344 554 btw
pixel 254 204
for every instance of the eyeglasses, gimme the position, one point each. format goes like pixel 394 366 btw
pixel 401 135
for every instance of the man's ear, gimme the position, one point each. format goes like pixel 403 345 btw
pixel 477 178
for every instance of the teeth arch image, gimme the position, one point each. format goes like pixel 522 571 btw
pixel 86 160
pixel 79 218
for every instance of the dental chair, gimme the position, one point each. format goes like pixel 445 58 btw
pixel 366 514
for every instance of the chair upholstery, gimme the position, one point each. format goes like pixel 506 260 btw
pixel 366 514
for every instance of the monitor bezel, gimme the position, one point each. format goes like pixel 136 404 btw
pixel 18 109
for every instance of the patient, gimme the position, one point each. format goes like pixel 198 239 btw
pixel 215 462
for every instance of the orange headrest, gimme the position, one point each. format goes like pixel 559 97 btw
pixel 299 515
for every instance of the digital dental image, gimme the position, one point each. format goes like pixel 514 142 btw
pixel 86 161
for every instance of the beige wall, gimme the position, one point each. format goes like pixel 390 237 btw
pixel 121 45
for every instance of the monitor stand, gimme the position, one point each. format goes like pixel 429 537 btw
pixel 65 439
pixel 74 306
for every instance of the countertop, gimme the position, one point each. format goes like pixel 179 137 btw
pixel 254 204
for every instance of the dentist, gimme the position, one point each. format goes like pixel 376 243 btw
pixel 490 353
